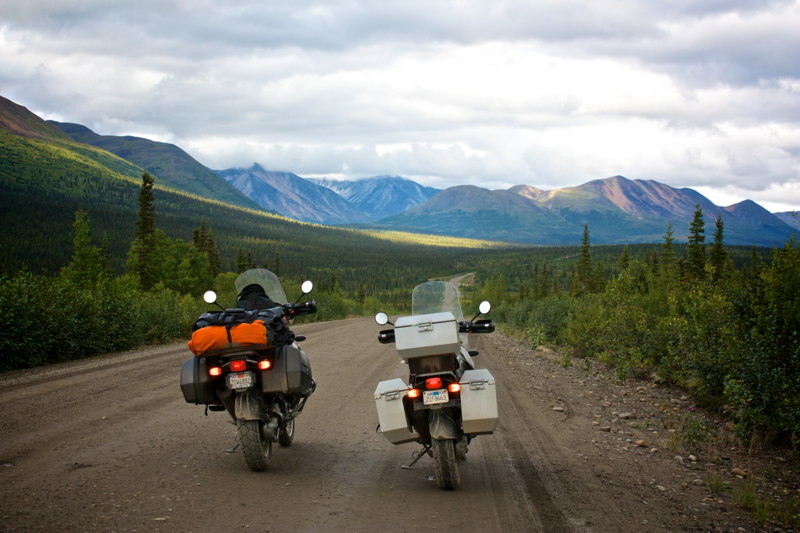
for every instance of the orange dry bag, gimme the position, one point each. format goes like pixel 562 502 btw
pixel 216 340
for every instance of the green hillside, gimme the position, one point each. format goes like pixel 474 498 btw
pixel 171 165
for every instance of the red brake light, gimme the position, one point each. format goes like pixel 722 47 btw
pixel 215 371
pixel 413 393
pixel 433 383
pixel 238 366
pixel 454 387
pixel 264 365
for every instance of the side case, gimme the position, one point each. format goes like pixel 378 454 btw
pixel 196 384
pixel 391 413
pixel 478 402
pixel 290 372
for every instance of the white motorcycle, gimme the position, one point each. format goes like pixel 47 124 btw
pixel 447 401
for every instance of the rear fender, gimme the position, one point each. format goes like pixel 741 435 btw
pixel 442 426
pixel 248 406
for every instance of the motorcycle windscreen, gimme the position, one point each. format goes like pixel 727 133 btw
pixel 266 279
pixel 436 297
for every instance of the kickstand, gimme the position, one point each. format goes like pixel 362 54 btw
pixel 417 456
pixel 232 449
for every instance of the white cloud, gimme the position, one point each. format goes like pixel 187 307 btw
pixel 697 94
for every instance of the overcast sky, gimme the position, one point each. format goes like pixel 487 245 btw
pixel 691 93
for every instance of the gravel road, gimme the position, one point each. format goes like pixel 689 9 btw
pixel 110 444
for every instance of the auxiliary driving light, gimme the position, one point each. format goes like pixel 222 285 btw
pixel 215 371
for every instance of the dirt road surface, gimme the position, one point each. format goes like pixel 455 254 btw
pixel 110 444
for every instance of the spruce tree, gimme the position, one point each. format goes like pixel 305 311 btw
pixel 535 282
pixel 556 290
pixel 654 266
pixel 599 282
pixel 241 261
pixel 251 263
pixel 667 249
pixel 544 286
pixel 362 295
pixel 585 261
pixel 105 262
pixel 696 262
pixel 574 283
pixel 277 264
pixel 719 255
pixel 214 262
pixel 144 247
pixel 84 268
pixel 624 259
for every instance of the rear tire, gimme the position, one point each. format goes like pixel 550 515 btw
pixel 256 449
pixel 444 459
pixel 286 436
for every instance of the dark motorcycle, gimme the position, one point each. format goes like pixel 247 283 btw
pixel 247 363
pixel 447 401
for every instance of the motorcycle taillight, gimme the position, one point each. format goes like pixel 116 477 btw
pixel 433 383
pixel 238 366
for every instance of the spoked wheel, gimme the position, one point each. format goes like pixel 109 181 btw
pixel 256 448
pixel 444 459
pixel 286 436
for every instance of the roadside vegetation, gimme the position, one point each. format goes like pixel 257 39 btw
pixel 728 336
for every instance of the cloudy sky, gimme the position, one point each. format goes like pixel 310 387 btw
pixel 702 94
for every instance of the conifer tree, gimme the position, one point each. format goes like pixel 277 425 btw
pixel 214 262
pixel 84 268
pixel 241 261
pixel 599 282
pixel 265 264
pixel 144 252
pixel 556 290
pixel 535 282
pixel 278 265
pixel 667 249
pixel 696 263
pixel 624 259
pixel 719 255
pixel 585 261
pixel 654 265
pixel 544 286
pixel 251 263
pixel 574 283
pixel 362 295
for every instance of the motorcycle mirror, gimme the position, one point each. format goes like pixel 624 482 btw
pixel 307 287
pixel 210 297
pixel 485 307
pixel 382 319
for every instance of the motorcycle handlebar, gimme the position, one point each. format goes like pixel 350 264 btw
pixel 301 309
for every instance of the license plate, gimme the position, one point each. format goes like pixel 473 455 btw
pixel 242 380
pixel 431 397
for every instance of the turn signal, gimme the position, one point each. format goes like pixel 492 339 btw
pixel 454 387
pixel 413 393
pixel 238 366
pixel 215 371
pixel 433 383
pixel 264 365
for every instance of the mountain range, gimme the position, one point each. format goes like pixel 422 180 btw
pixel 380 196
pixel 170 164
pixel 292 196
pixel 616 209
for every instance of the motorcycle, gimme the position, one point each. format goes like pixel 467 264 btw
pixel 447 401
pixel 248 364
